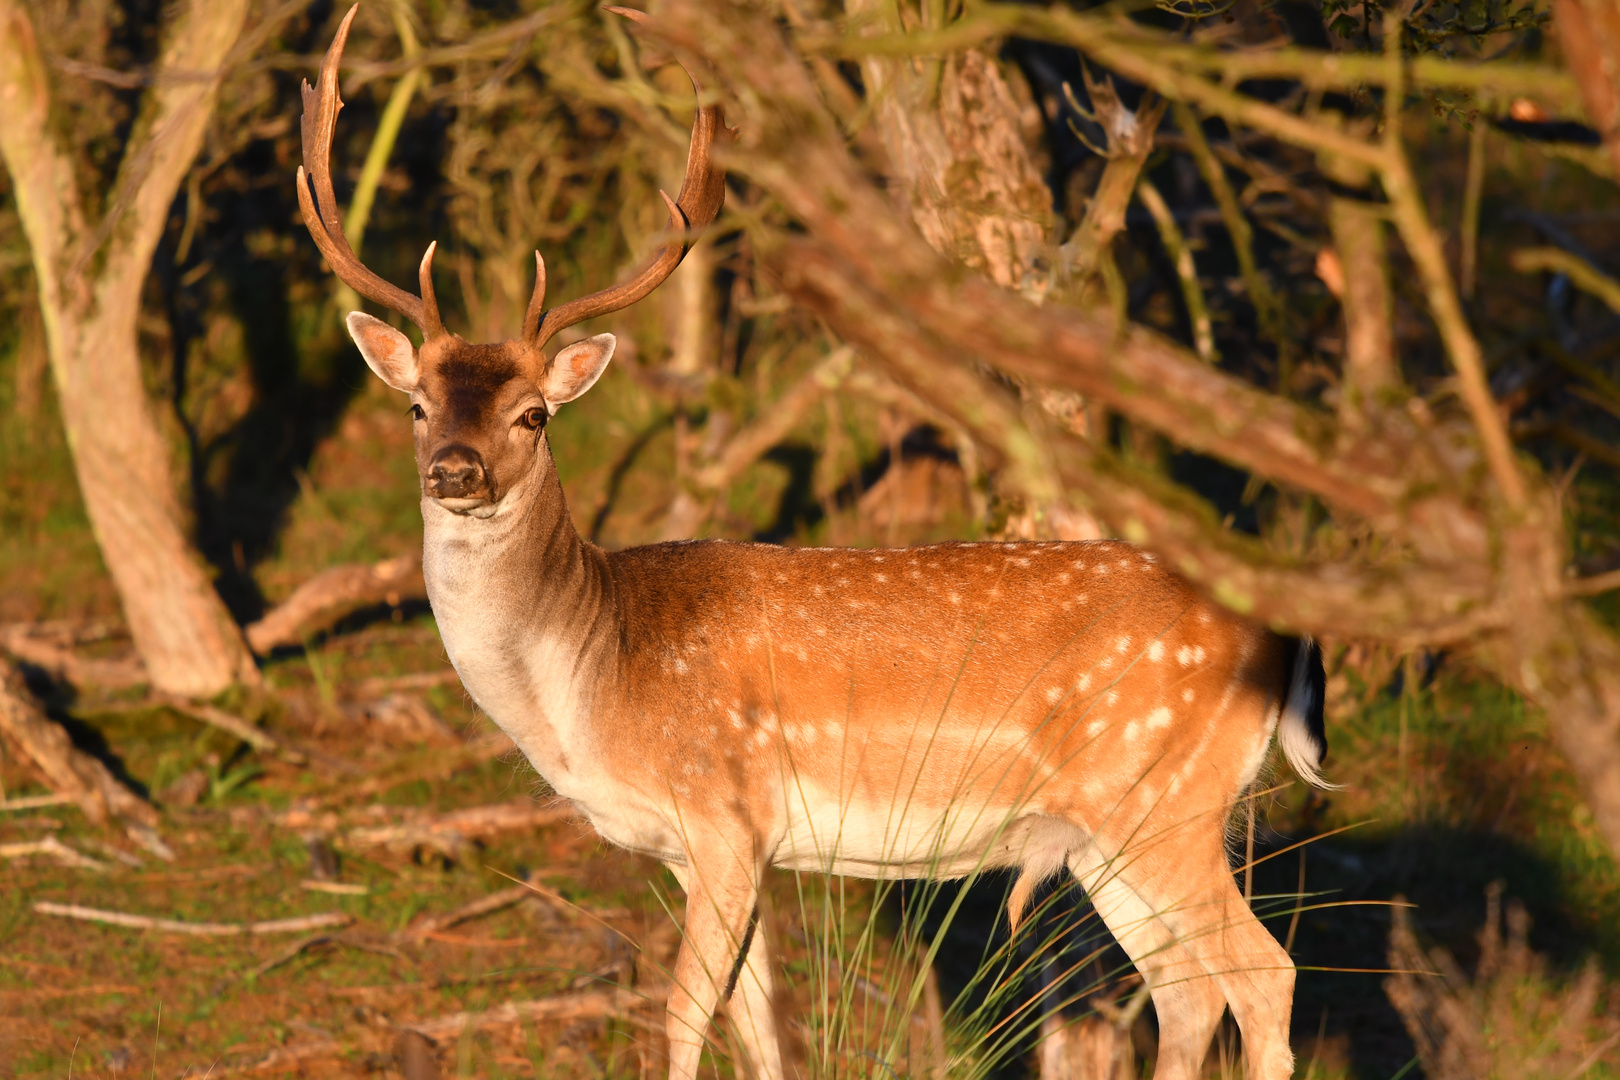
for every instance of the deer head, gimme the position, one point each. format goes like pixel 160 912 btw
pixel 480 410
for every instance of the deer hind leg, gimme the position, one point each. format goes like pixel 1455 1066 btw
pixel 721 953
pixel 1234 960
pixel 1255 974
pixel 1188 1002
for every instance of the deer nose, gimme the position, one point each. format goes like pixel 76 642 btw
pixel 457 472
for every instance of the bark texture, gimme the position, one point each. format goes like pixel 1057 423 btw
pixel 957 155
pixel 90 275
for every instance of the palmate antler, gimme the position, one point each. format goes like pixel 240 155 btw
pixel 703 190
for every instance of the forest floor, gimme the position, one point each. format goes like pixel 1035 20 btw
pixel 1450 785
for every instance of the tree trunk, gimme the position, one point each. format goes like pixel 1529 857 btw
pixel 90 282
pixel 1573 679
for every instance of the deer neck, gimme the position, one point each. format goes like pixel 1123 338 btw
pixel 526 612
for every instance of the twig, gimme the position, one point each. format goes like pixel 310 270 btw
pixel 1314 68
pixel 55 849
pixel 67 631
pixel 1186 270
pixel 288 955
pixel 234 725
pixel 447 833
pixel 1237 226
pixel 34 802
pixel 321 939
pixel 1130 141
pixel 1473 190
pixel 591 1005
pixel 494 43
pixel 200 929
pixel 1428 255
pixel 488 905
pixel 1578 270
pixel 1594 585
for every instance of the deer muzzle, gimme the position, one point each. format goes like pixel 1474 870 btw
pixel 458 478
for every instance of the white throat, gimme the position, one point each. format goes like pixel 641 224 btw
pixel 505 615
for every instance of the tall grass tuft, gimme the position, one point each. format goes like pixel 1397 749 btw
pixel 1514 1018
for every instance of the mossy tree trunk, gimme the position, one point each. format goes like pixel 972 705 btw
pixel 90 271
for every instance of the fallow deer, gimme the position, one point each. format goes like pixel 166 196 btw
pixel 930 711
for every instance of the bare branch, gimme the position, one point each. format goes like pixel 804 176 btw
pixel 1130 141
pixel 1175 245
pixel 1428 254
pixel 771 427
pixel 588 1005
pixel 1582 273
pixel 327 597
pixel 1315 69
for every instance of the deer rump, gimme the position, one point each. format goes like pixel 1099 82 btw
pixel 928 712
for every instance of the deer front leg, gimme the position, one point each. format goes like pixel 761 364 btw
pixel 722 893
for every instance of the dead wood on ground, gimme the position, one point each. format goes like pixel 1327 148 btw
pixel 323 600
pixel 194 929
pixel 65 768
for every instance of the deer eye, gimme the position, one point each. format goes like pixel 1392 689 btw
pixel 533 419
pixel 417 413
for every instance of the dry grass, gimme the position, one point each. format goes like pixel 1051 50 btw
pixel 1515 1018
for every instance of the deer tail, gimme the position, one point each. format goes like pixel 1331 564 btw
pixel 1302 730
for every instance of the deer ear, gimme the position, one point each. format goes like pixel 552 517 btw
pixel 387 351
pixel 575 369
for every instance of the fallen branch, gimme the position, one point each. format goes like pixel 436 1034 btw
pixel 321 601
pixel 596 1004
pixel 198 929
pixel 66 769
pixel 55 849
pixel 449 834
pixel 233 725
pixel 488 905
pixel 34 802
pixel 67 631
pixel 298 948
pixel 60 663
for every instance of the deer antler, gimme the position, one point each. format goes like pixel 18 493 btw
pixel 321 106
pixel 703 190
